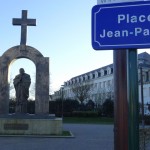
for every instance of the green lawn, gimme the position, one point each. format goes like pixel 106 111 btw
pixel 66 133
pixel 82 120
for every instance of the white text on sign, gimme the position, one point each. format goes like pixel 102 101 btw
pixel 125 33
pixel 132 19
pixel 127 18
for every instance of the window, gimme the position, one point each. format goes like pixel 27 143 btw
pixel 74 81
pixel 147 77
pixel 95 86
pixel 83 78
pixel 111 70
pixel 99 74
pixel 93 76
pixel 79 79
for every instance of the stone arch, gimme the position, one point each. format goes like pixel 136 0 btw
pixel 42 77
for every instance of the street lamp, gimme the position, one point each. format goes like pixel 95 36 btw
pixel 142 100
pixel 62 98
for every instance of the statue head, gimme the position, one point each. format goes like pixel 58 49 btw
pixel 21 70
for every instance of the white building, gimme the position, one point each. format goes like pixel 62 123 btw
pixel 102 81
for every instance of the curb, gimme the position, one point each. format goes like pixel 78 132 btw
pixel 39 136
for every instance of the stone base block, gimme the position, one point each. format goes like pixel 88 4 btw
pixel 30 126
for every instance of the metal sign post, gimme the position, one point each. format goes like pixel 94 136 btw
pixel 120 103
pixel 126 124
pixel 133 103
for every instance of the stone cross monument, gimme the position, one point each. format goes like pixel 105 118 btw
pixel 21 123
pixel 41 64
pixel 24 22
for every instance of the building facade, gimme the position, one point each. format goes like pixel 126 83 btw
pixel 102 82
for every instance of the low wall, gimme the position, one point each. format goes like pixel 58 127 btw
pixel 30 125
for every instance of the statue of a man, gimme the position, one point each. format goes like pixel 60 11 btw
pixel 22 83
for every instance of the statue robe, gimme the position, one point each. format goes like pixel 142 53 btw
pixel 22 83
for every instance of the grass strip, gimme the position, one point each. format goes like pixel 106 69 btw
pixel 88 120
pixel 66 133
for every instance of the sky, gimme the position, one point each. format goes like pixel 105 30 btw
pixel 62 33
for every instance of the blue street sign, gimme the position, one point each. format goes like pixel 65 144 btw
pixel 122 25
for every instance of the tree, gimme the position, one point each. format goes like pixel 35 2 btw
pixel 12 105
pixel 149 107
pixel 101 96
pixel 82 91
pixel 70 105
pixel 110 92
pixel 11 88
pixel 90 105
pixel 104 93
pixel 108 108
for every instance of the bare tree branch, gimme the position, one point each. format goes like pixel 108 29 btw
pixel 82 91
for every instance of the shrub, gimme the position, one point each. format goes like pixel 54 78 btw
pixel 99 111
pixel 66 107
pixel 108 108
pixel 147 120
pixel 90 105
pixel 70 105
pixel 85 114
pixel 31 107
pixel 12 106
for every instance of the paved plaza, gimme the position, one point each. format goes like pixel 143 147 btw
pixel 87 137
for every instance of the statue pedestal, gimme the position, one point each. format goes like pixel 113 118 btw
pixel 30 125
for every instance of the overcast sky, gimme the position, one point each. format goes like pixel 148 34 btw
pixel 63 33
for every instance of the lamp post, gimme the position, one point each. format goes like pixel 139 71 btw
pixel 62 97
pixel 142 100
pixel 141 66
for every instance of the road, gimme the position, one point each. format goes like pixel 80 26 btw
pixel 87 137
